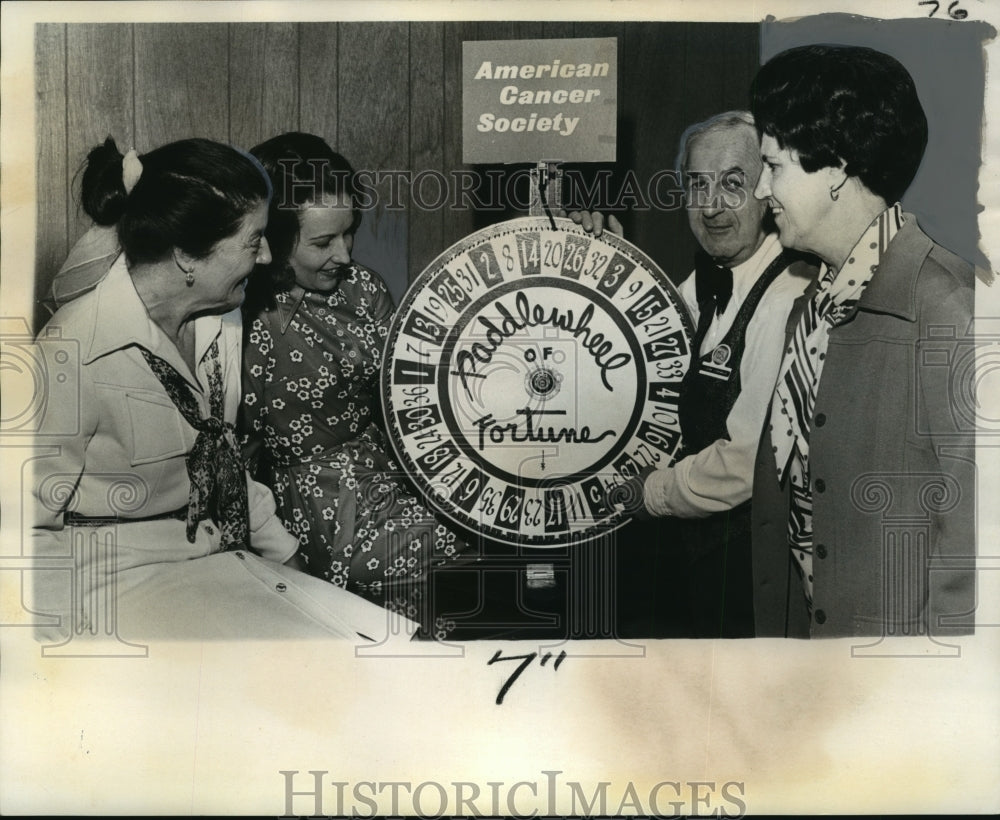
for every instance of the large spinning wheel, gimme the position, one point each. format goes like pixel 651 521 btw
pixel 530 370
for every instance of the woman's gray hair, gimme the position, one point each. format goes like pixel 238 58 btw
pixel 720 122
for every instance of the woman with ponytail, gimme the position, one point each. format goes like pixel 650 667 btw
pixel 145 497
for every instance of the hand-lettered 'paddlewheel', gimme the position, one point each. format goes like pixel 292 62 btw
pixel 530 371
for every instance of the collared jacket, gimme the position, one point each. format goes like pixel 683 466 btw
pixel 112 447
pixel 121 422
pixel 892 463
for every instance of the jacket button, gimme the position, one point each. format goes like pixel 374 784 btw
pixel 821 551
pixel 820 616
pixel 280 587
pixel 820 485
pixel 820 419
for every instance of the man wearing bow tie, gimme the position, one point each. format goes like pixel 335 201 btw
pixel 739 297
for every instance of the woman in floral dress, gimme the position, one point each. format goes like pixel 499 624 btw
pixel 315 324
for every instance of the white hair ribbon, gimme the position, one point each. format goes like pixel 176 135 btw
pixel 131 170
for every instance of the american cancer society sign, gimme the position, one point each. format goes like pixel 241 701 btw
pixel 539 100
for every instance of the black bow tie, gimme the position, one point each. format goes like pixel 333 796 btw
pixel 713 282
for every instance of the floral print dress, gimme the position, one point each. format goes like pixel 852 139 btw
pixel 311 410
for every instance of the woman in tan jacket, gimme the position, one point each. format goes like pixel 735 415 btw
pixel 864 488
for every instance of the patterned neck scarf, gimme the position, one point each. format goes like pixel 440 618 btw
pixel 218 481
pixel 798 379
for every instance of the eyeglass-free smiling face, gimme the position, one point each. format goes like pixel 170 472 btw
pixel 800 200
pixel 222 275
pixel 326 239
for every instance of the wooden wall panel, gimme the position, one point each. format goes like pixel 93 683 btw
pixel 319 66
pixel 427 101
pixel 374 134
pixel 263 81
pixel 374 88
pixel 461 220
pixel 558 30
pixel 509 30
pixel 51 232
pixel 723 85
pixel 181 82
pixel 726 78
pixel 387 95
pixel 653 94
pixel 100 96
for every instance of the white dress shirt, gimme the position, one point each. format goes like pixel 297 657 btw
pixel 720 476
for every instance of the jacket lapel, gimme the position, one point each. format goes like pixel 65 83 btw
pixel 893 288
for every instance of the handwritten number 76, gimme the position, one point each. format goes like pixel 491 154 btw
pixel 953 13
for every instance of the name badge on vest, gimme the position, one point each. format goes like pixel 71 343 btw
pixel 716 364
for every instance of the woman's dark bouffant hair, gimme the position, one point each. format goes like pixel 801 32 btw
pixel 831 103
pixel 303 170
pixel 191 194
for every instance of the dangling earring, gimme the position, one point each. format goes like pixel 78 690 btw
pixel 188 276
pixel 835 192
